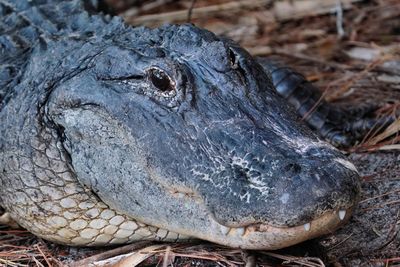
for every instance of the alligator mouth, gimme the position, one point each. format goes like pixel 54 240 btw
pixel 263 236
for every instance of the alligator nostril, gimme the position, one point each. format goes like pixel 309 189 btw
pixel 241 173
pixel 242 176
pixel 292 168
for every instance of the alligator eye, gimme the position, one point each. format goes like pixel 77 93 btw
pixel 160 80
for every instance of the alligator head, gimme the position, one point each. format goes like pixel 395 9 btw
pixel 182 130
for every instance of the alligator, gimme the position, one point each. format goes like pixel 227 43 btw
pixel 112 134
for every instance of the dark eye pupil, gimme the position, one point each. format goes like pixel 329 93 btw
pixel 160 80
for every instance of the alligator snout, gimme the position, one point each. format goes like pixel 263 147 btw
pixel 285 191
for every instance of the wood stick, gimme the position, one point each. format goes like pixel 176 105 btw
pixel 198 12
pixel 111 253
pixel 282 10
pixel 288 10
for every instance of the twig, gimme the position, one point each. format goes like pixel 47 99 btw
pixel 312 59
pixel 207 256
pixel 390 130
pixel 190 11
pixel 390 147
pixel 249 258
pixel 167 254
pixel 38 263
pixel 303 261
pixel 10 263
pixel 379 196
pixel 339 18
pixel 111 253
pixel 289 10
pixel 43 255
pixel 382 205
pixel 181 15
pixel 146 7
pixel 387 260
pixel 341 242
pixel 352 80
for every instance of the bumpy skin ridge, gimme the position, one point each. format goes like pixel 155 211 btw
pixel 24 24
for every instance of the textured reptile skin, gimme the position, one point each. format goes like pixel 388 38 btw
pixel 111 134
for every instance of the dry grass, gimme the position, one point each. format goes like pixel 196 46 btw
pixel 20 248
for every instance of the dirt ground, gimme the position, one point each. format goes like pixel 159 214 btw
pixel 352 52
pixel 372 235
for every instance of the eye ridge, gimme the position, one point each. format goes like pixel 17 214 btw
pixel 161 80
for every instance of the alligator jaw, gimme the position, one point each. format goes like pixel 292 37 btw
pixel 261 236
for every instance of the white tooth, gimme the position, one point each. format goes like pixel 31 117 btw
pixel 240 231
pixel 225 230
pixel 342 214
pixel 307 227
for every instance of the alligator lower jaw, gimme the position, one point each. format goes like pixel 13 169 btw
pixel 265 237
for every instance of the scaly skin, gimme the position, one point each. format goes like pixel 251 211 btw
pixel 112 134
